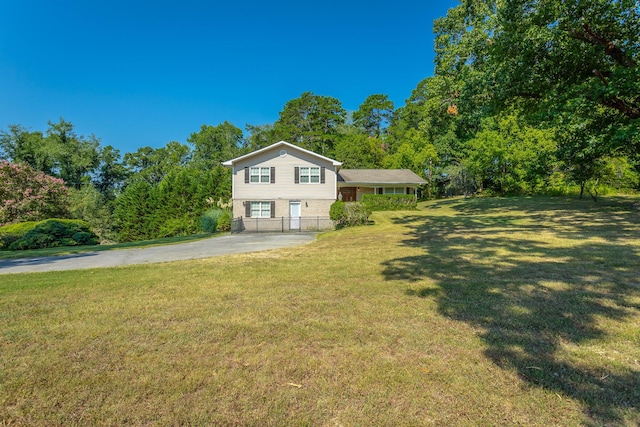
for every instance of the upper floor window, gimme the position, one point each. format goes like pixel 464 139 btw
pixel 259 174
pixel 309 175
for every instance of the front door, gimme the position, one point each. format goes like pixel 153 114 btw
pixel 294 215
pixel 348 194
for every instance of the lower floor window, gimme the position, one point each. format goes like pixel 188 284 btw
pixel 260 209
pixel 394 190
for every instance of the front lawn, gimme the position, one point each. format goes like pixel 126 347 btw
pixel 506 311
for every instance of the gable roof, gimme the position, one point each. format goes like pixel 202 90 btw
pixel 379 176
pixel 281 144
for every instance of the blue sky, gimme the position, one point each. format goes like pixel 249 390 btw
pixel 145 73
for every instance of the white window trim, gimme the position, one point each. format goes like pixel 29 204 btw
pixel 310 174
pixel 260 175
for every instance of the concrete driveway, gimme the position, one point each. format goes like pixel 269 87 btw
pixel 205 248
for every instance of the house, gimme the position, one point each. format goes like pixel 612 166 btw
pixel 353 183
pixel 288 187
pixel 284 181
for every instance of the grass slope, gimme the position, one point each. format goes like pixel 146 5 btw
pixel 482 311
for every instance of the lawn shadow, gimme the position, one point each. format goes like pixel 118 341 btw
pixel 529 297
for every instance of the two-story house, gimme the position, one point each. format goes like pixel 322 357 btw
pixel 283 180
pixel 297 186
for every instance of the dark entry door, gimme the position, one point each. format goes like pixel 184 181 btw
pixel 348 194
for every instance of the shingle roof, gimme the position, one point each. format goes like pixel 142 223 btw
pixel 279 144
pixel 379 176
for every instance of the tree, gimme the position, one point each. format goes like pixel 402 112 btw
pixel 29 195
pixel 587 74
pixel 311 121
pixel 60 152
pixel 581 149
pixel 215 144
pixel 260 136
pixel 374 115
pixel 112 174
pixel 75 157
pixel 463 67
pixel 133 212
pixel 554 59
pixel 414 153
pixel 185 194
pixel 509 157
pixel 359 151
pixel 19 145
pixel 172 206
pixel 576 48
pixel 89 205
pixel 153 164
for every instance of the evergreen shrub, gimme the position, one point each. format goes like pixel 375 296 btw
pixel 54 232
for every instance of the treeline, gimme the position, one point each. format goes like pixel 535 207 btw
pixel 543 95
pixel 150 193
pixel 527 98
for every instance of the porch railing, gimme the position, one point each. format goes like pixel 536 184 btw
pixel 281 224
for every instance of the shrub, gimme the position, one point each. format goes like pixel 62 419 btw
pixel 336 211
pixel 390 202
pixel 12 232
pixel 224 224
pixel 210 219
pixel 348 214
pixel 56 232
pixel 180 226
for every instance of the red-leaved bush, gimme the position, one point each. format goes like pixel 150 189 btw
pixel 29 195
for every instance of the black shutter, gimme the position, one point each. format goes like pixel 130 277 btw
pixel 273 209
pixel 246 174
pixel 296 175
pixel 379 190
pixel 273 174
pixel 322 175
pixel 408 190
pixel 247 209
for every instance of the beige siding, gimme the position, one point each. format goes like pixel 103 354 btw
pixel 315 198
pixel 308 207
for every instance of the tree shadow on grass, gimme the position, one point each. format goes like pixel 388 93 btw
pixel 531 297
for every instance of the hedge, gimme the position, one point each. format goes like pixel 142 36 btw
pixel 390 202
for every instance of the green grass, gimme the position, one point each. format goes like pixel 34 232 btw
pixel 68 250
pixel 508 311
